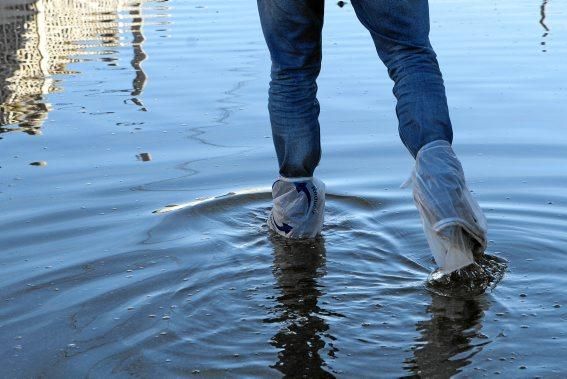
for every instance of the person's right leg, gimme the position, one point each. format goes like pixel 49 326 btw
pixel 400 30
pixel 453 222
pixel 292 29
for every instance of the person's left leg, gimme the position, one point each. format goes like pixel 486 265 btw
pixel 292 29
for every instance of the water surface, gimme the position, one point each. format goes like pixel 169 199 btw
pixel 110 110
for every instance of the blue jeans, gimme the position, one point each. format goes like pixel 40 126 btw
pixel 400 30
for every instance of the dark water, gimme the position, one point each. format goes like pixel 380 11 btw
pixel 111 110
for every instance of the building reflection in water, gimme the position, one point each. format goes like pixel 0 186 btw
pixel 304 337
pixel 40 38
pixel 450 338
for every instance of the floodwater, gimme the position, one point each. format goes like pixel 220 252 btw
pixel 111 110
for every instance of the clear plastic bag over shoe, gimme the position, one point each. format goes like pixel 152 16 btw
pixel 454 224
pixel 298 207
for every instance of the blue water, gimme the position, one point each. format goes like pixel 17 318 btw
pixel 111 110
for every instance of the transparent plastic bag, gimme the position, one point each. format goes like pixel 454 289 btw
pixel 453 222
pixel 298 207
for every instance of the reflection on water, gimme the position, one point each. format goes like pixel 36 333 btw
pixel 297 268
pixel 448 339
pixel 543 24
pixel 93 284
pixel 39 39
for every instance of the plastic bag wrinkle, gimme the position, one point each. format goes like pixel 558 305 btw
pixel 298 207
pixel 453 222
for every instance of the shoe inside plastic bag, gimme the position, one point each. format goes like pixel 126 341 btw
pixel 454 224
pixel 298 207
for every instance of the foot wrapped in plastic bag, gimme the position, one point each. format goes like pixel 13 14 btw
pixel 453 222
pixel 298 207
pixel 472 280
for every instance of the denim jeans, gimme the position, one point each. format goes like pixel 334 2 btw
pixel 400 31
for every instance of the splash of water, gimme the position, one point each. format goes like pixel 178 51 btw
pixel 472 280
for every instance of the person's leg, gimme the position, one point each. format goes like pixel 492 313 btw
pixel 292 29
pixel 400 30
pixel 453 222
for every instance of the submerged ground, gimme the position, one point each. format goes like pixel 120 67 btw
pixel 110 110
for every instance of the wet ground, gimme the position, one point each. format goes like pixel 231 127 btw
pixel 111 110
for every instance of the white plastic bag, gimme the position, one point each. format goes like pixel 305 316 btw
pixel 453 222
pixel 298 207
